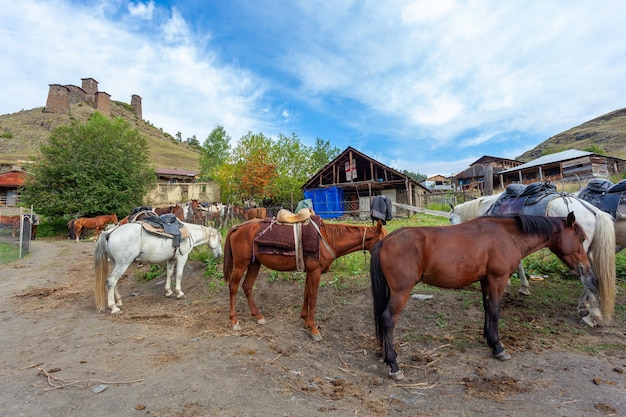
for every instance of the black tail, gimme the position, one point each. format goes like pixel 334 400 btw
pixel 70 227
pixel 380 291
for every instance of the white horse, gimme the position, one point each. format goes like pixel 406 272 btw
pixel 600 247
pixel 131 242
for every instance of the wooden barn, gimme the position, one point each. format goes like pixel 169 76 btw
pixel 346 185
pixel 568 166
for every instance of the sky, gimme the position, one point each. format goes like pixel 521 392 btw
pixel 425 86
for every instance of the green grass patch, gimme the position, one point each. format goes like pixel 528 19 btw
pixel 8 253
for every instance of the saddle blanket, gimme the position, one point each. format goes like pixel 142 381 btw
pixel 278 239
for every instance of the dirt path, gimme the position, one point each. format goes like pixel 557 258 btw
pixel 167 357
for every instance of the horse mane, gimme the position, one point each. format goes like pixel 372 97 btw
pixel 542 225
pixel 336 232
pixel 468 210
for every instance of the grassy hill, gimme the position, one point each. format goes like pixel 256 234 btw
pixel 23 132
pixel 607 132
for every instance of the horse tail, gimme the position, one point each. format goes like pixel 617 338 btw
pixel 227 268
pixel 602 251
pixel 101 263
pixel 70 228
pixel 380 291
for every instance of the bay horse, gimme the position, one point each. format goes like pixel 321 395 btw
pixel 11 221
pixel 255 213
pixel 240 256
pixel 96 223
pixel 600 246
pixel 127 243
pixel 486 249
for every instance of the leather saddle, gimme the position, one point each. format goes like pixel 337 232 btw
pixel 608 197
pixel 529 199
pixel 166 225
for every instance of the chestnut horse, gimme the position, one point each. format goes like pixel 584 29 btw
pixel 255 213
pixel 485 249
pixel 240 254
pixel 97 223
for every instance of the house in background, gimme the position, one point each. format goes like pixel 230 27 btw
pixel 482 177
pixel 10 182
pixel 346 185
pixel 176 176
pixel 438 183
pixel 568 166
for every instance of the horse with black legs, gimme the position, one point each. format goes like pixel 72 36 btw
pixel 485 249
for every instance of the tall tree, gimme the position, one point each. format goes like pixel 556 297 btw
pixel 293 168
pixel 254 166
pixel 321 154
pixel 214 152
pixel 88 169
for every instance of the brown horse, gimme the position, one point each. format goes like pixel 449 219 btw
pixel 241 254
pixel 255 213
pixel 177 210
pixel 485 249
pixel 11 221
pixel 97 223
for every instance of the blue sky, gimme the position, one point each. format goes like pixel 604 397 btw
pixel 426 86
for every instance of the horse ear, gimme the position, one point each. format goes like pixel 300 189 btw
pixel 451 205
pixel 571 219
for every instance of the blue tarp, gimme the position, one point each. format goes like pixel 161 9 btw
pixel 327 202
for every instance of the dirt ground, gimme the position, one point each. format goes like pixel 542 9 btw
pixel 168 357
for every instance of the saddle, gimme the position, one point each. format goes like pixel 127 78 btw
pixel 608 197
pixel 531 199
pixel 300 239
pixel 138 211
pixel 166 225
pixel 285 216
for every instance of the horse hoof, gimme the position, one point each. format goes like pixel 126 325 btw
pixel 237 327
pixel 317 337
pixel 503 356
pixel 524 291
pixel 181 296
pixel 588 321
pixel 116 311
pixel 262 321
pixel 168 293
pixel 397 376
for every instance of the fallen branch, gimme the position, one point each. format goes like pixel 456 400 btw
pixel 57 383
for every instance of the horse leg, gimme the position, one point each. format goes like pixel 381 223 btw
pixel 310 300
pixel 524 286
pixel 589 304
pixel 114 299
pixel 77 232
pixel 248 285
pixel 233 287
pixel 180 267
pixel 492 292
pixel 390 316
pixel 169 267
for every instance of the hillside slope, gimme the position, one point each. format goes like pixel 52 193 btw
pixel 23 132
pixel 608 132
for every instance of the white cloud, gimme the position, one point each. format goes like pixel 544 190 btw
pixel 141 10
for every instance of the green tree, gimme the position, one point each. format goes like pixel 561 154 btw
pixel 214 152
pixel 294 166
pixel 99 167
pixel 254 167
pixel 321 154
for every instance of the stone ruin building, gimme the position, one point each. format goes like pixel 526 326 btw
pixel 61 96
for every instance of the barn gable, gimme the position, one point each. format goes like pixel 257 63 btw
pixel 358 178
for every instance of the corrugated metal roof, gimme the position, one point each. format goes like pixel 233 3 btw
pixel 12 179
pixel 183 172
pixel 550 159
